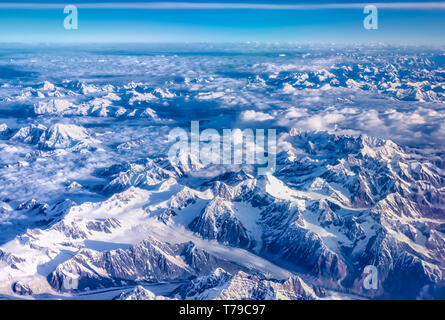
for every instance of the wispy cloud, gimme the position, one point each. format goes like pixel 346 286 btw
pixel 215 6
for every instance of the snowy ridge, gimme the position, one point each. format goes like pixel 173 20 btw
pixel 221 285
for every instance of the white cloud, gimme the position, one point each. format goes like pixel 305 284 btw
pixel 252 115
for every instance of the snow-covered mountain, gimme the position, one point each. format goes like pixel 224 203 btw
pixel 138 293
pixel 91 205
pixel 220 285
pixel 335 205
pixel 58 136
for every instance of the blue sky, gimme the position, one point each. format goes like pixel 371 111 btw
pixel 409 22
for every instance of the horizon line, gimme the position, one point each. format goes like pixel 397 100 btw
pixel 251 42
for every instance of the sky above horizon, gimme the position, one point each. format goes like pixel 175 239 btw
pixel 407 22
